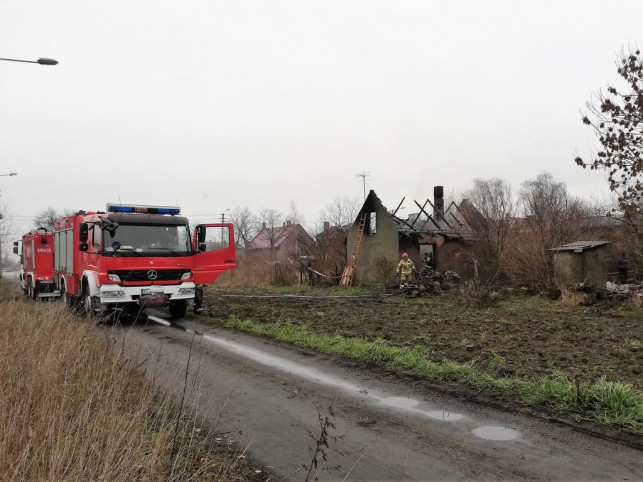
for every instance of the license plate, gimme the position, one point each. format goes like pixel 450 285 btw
pixel 148 291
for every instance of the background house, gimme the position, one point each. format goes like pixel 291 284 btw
pixel 288 240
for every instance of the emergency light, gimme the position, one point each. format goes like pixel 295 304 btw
pixel 141 209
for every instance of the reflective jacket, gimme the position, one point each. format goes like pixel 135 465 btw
pixel 405 267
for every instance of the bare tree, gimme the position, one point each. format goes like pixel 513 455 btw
pixel 245 225
pixel 271 220
pixel 47 217
pixel 5 232
pixel 340 211
pixel 489 212
pixel 617 120
pixel 551 217
pixel 328 255
pixel 295 215
pixel 301 239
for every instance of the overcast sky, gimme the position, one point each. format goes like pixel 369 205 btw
pixel 210 104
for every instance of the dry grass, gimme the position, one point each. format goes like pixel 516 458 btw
pixel 572 297
pixel 72 410
pixel 260 269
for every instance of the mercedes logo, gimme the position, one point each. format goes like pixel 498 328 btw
pixel 152 275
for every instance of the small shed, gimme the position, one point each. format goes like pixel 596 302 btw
pixel 581 262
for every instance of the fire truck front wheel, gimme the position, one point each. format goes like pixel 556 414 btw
pixel 66 297
pixel 178 309
pixel 90 303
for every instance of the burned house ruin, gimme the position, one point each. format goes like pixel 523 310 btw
pixel 433 229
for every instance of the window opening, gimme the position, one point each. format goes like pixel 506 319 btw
pixel 371 223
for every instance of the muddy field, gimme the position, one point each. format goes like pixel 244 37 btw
pixel 510 341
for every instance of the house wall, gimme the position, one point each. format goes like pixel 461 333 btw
pixel 595 265
pixel 383 245
pixel 451 256
pixel 568 268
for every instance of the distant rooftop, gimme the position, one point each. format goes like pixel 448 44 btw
pixel 579 246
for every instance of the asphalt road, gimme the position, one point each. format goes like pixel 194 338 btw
pixel 269 398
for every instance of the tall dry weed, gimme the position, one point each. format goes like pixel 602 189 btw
pixel 70 409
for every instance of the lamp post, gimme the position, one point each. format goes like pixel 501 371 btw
pixel 41 61
pixel 10 174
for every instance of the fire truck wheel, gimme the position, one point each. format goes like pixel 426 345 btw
pixel 89 302
pixel 66 299
pixel 178 309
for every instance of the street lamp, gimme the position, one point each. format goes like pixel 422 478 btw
pixel 10 174
pixel 41 61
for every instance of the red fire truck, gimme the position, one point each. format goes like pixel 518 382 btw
pixel 135 255
pixel 37 263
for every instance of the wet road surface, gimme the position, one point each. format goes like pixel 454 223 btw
pixel 270 397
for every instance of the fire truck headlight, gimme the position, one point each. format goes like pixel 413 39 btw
pixel 113 294
pixel 187 275
pixel 114 277
pixel 186 291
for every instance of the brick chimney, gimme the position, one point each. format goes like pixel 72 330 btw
pixel 326 226
pixel 438 202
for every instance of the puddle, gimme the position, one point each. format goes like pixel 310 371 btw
pixel 445 416
pixel 495 433
pixel 282 364
pixel 408 405
pixel 399 402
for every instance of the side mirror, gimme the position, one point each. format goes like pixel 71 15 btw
pixel 82 246
pixel 201 234
pixel 15 248
pixel 83 233
pixel 202 247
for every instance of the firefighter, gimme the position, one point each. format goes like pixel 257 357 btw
pixel 198 299
pixel 623 267
pixel 405 270
pixel 428 261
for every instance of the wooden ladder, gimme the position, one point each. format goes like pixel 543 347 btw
pixel 349 271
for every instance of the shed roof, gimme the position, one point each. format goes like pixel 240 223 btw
pixel 579 246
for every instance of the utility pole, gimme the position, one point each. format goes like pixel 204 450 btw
pixel 223 221
pixel 365 177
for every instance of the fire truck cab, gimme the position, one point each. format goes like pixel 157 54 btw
pixel 36 251
pixel 135 255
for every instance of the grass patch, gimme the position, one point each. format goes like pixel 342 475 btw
pixel 71 409
pixel 610 403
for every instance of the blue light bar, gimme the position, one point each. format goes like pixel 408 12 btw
pixel 137 208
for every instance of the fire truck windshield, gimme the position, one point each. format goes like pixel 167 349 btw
pixel 147 240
